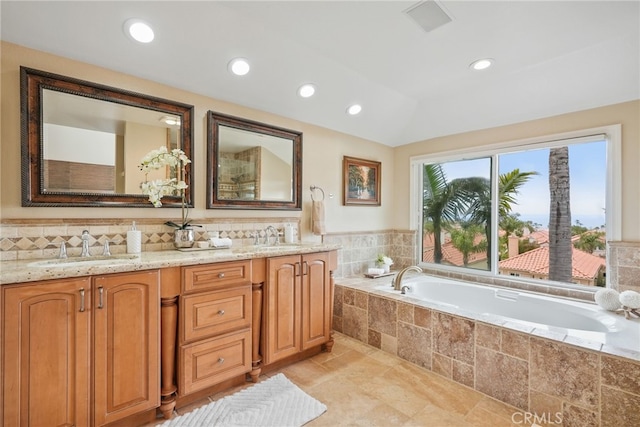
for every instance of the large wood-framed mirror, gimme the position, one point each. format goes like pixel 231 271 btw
pixel 82 142
pixel 252 165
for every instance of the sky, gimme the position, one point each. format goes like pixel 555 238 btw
pixel 587 168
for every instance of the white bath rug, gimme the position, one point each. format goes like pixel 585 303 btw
pixel 276 402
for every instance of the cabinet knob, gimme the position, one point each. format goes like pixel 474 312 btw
pixel 220 312
pixel 221 360
pixel 220 275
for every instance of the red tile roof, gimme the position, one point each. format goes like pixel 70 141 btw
pixel 585 265
pixel 451 255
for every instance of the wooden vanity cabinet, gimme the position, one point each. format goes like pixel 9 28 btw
pixel 297 305
pixel 214 325
pixel 46 353
pixel 126 345
pixel 71 342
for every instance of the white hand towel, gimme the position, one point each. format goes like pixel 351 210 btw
pixel 217 242
pixel 317 218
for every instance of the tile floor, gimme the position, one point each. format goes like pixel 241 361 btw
pixel 364 386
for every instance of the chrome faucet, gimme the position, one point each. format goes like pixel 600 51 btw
pixel 63 251
pixel 105 249
pixel 271 229
pixel 85 244
pixel 397 281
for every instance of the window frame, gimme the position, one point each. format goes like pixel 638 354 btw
pixel 613 203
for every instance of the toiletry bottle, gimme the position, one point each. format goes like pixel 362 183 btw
pixel 288 233
pixel 134 240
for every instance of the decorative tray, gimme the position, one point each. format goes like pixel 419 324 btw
pixel 375 276
pixel 210 248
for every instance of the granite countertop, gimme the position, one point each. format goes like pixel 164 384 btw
pixel 43 269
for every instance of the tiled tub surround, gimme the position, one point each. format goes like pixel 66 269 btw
pixel 31 239
pixel 516 364
pixel 360 249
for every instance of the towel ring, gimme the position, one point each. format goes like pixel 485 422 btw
pixel 313 188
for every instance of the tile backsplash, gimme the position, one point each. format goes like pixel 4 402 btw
pixel 41 238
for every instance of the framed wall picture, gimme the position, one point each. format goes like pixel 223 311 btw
pixel 361 181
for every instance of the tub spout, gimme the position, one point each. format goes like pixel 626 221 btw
pixel 397 281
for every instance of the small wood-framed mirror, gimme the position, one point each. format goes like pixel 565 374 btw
pixel 82 142
pixel 252 165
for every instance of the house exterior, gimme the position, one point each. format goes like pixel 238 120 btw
pixel 587 269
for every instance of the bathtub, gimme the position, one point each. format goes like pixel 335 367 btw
pixel 555 316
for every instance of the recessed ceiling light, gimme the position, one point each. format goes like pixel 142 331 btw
pixel 170 120
pixel 239 66
pixel 354 109
pixel 481 64
pixel 138 30
pixel 307 90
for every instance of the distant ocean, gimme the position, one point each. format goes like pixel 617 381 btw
pixel 589 221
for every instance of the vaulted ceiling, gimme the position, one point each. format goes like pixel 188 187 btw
pixel 551 57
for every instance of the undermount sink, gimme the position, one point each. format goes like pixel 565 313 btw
pixel 280 247
pixel 88 261
pixel 274 248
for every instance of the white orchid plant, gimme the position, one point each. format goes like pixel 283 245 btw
pixel 383 259
pixel 176 160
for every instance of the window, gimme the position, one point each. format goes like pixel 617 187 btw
pixel 531 210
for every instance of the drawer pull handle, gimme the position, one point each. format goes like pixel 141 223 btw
pixel 100 301
pixel 221 360
pixel 81 300
pixel 220 312
pixel 220 275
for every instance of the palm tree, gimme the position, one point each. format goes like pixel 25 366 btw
pixel 590 241
pixel 560 252
pixel 509 183
pixel 441 204
pixel 463 238
pixel 466 199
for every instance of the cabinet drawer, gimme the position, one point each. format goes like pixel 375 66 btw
pixel 210 313
pixel 212 361
pixel 214 276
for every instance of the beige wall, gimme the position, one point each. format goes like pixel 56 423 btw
pixel 627 114
pixel 323 150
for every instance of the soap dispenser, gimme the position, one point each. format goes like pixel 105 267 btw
pixel 288 233
pixel 134 240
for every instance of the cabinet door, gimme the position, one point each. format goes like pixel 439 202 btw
pixel 126 344
pixel 282 313
pixel 46 353
pixel 316 300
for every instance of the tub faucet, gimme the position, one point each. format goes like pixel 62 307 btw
pixel 85 244
pixel 397 281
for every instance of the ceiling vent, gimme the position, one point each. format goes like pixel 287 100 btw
pixel 428 15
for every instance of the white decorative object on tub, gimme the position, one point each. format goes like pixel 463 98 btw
pixel 609 299
pixel 630 299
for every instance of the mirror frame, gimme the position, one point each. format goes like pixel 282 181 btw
pixel 214 121
pixel 32 84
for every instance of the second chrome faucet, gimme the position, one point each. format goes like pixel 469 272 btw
pixel 85 244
